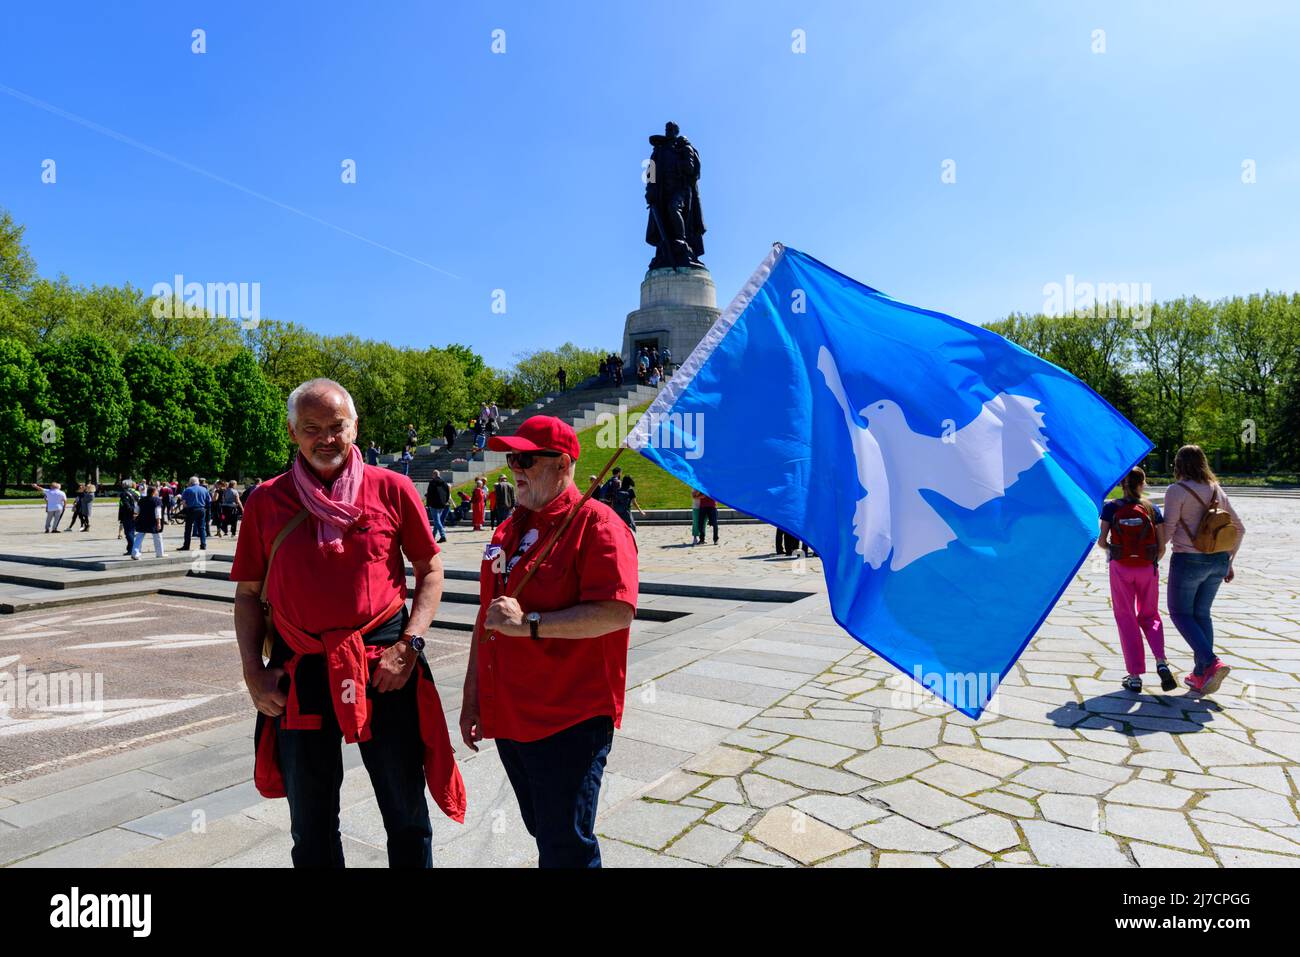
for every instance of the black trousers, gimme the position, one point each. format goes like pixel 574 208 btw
pixel 312 765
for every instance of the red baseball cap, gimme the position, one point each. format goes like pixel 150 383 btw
pixel 539 433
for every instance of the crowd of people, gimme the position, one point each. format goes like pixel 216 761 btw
pixel 652 366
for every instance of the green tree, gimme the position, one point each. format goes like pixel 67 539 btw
pixel 1255 340
pixel 256 439
pixel 1172 350
pixel 17 268
pixel 533 374
pixel 166 436
pixel 24 403
pixel 207 448
pixel 1287 433
pixel 89 403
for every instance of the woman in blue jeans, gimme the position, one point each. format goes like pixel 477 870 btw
pixel 1195 576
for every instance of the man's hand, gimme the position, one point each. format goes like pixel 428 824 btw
pixel 264 688
pixel 471 730
pixel 505 617
pixel 1231 574
pixel 394 667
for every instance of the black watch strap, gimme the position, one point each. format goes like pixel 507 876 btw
pixel 534 621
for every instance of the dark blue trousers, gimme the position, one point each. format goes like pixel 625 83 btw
pixel 557 783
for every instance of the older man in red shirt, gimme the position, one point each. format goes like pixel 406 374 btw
pixel 547 667
pixel 346 660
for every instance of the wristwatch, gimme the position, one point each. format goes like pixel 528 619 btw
pixel 415 641
pixel 534 619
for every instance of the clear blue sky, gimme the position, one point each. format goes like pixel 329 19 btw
pixel 522 171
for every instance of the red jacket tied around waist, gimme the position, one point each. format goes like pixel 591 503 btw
pixel 348 660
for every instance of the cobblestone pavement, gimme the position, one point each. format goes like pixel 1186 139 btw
pixel 759 734
pixel 849 765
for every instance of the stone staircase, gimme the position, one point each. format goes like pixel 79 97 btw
pixel 580 407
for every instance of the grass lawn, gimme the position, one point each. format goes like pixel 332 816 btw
pixel 655 488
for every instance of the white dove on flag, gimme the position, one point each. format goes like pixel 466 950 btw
pixel 971 466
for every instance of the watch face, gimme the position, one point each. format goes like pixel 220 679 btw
pixel 534 616
pixel 417 644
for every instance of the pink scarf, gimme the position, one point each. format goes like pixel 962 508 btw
pixel 334 510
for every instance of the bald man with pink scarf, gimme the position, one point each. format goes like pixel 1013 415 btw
pixel 346 662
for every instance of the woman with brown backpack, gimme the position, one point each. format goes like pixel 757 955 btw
pixel 1204 533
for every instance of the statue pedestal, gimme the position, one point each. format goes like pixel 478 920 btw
pixel 677 308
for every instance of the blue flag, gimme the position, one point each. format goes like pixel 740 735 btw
pixel 949 480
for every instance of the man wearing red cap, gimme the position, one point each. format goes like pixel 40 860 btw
pixel 547 667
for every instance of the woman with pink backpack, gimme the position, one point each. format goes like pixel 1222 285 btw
pixel 1205 533
pixel 1132 532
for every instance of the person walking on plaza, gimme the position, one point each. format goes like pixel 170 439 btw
pixel 624 500
pixel 406 460
pixel 166 495
pixel 232 506
pixel 449 435
pixel 612 485
pixel 503 501
pixel 209 510
pixel 85 503
pixel 325 546
pixel 197 501
pixel 372 454
pixel 480 435
pixel 695 516
pixel 436 499
pixel 1205 534
pixel 708 516
pixel 548 666
pixel 76 506
pixel 218 513
pixel 127 500
pixel 148 521
pixel 786 544
pixel 56 500
pixel 477 502
pixel 1132 532
pixel 563 377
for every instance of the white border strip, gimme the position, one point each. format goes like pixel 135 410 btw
pixel 639 435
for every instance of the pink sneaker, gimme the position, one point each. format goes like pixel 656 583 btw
pixel 1212 679
pixel 1195 682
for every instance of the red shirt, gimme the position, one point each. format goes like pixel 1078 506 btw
pixel 320 591
pixel 531 689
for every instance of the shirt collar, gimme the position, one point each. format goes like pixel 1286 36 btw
pixel 559 505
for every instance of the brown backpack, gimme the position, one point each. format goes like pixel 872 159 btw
pixel 1215 533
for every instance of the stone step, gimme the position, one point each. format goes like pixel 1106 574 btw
pixel 460 600
pixel 38 599
pixel 682 516
pixel 57 579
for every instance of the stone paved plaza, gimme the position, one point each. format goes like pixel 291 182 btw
pixel 758 733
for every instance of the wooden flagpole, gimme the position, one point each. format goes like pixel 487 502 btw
pixel 554 537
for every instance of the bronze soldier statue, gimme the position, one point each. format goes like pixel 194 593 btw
pixel 675 226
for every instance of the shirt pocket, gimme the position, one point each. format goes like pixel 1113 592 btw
pixel 374 535
pixel 552 586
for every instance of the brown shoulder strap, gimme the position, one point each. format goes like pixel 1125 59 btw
pixel 289 526
pixel 1196 496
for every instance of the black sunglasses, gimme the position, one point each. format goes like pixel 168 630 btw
pixel 524 460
